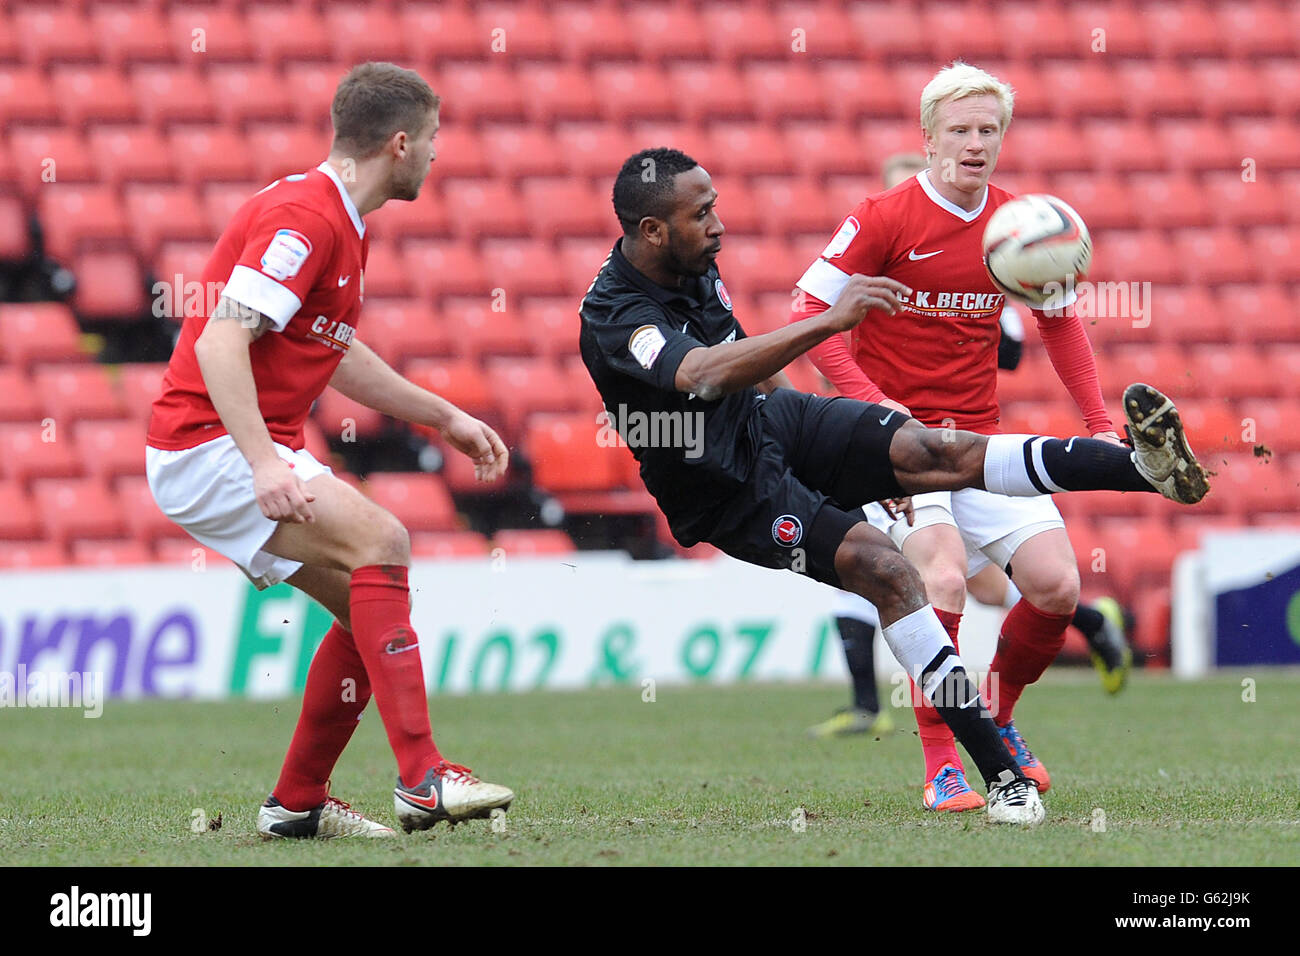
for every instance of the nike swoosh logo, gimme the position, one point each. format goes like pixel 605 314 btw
pixel 885 420
pixel 970 703
pixel 1068 444
pixel 343 280
pixel 428 803
pixel 915 258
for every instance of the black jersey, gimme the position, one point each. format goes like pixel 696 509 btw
pixel 694 455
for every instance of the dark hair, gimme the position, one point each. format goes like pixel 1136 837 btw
pixel 376 100
pixel 644 186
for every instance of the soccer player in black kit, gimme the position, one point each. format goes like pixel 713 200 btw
pixel 779 477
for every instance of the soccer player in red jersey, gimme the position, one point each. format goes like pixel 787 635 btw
pixel 936 359
pixel 226 461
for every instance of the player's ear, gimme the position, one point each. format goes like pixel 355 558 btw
pixel 653 231
pixel 399 144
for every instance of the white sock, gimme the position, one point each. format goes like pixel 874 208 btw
pixel 1013 595
pixel 916 639
pixel 1007 473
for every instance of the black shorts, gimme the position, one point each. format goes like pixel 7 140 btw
pixel 819 460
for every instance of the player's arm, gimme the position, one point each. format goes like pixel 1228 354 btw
pixel 366 378
pixel 1067 345
pixel 222 353
pixel 713 371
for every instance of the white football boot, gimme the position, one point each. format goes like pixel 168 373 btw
pixel 331 819
pixel 448 792
pixel 1014 799
pixel 1160 449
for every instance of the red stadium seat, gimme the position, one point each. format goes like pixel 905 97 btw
pixel 108 554
pixel 1136 255
pixel 529 385
pixel 580 260
pixel 763 265
pixel 525 266
pixel 588 32
pixel 888 32
pixel 22 402
pixel 1195 144
pixel 818 149
pixel 518 151
pixel 283 149
pixel 143 519
pixel 1286 360
pixel 859 89
pixel 1252 29
pixel 219 32
pixel 132 154
pixel 441 545
pixel 562 207
pixel 25 96
pixel 442 267
pixel 749 31
pixel 827 29
pixel 667 32
pixel 1213 427
pixel 399 329
pixel 518 30
pixel 15 228
pixel 710 90
pixel 170 94
pixel 552 324
pixel 1150 546
pixel 1183 29
pixel 1164 366
pixel 477 328
pixel 479 207
pixel 748 149
pixel 131 34
pixel 1155 88
pixel 1105 202
pixel 425 218
pixel 443 31
pixel 77 217
pixel 33 332
pixel 1051 32
pixel 19 519
pixel 48 156
pixel 222 200
pixel 1237 372
pixel 519 542
pixel 90 93
pixel 288 33
pixel 159 213
pixel 419 501
pixel 1127 146
pixel 77 508
pixel 477 93
pixel 1083 89
pixel 565 454
pixel 1169 200
pixel 359 32
pixel 1260 312
pixel 140 384
pixel 961 29
pixel 110 286
pixel 249 91
pixel 595 149
pixel 1227 89
pixel 459 381
pixel 54 36
pixel 560 92
pixel 22 555
pixel 110 448
pixel 1236 203
pixel 792 205
pixel 340 417
pixel 1183 314
pixel 785 91
pixel 1282 82
pixel 187 552
pixel 312 86
pixel 386 274
pixel 1215 256
pixel 1276 251
pixel 634 91
pixel 74 392
pixel 215 155
pixel 1043 146
pixel 1275 423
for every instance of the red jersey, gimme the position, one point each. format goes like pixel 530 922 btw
pixel 294 252
pixel 939 354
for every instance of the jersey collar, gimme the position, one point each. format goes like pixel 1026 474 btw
pixel 923 178
pixel 348 204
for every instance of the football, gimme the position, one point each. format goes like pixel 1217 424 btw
pixel 1034 246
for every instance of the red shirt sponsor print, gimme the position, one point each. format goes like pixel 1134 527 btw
pixel 295 252
pixel 938 355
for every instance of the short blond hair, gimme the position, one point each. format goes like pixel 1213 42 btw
pixel 958 81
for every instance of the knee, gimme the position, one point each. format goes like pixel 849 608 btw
pixel 387 542
pixel 945 586
pixel 885 578
pixel 1057 593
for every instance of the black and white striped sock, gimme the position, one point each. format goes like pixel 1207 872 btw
pixel 1025 466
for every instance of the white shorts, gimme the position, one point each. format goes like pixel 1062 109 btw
pixel 993 527
pixel 208 491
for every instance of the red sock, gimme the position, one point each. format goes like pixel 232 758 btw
pixel 381 622
pixel 1029 642
pixel 937 743
pixel 331 707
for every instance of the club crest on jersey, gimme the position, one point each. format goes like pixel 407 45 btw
pixel 840 241
pixel 285 255
pixel 787 531
pixel 723 295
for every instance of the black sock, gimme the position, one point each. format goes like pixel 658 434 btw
pixel 1088 620
pixel 858 638
pixel 1087 464
pixel 958 703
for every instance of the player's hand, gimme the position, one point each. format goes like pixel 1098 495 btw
pixel 861 295
pixel 1111 437
pixel 481 444
pixel 281 494
pixel 900 508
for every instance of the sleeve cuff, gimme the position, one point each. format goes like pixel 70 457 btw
pixel 257 291
pixel 824 281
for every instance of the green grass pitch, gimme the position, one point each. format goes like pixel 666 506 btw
pixel 1178 773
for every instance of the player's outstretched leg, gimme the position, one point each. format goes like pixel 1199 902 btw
pixel 868 564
